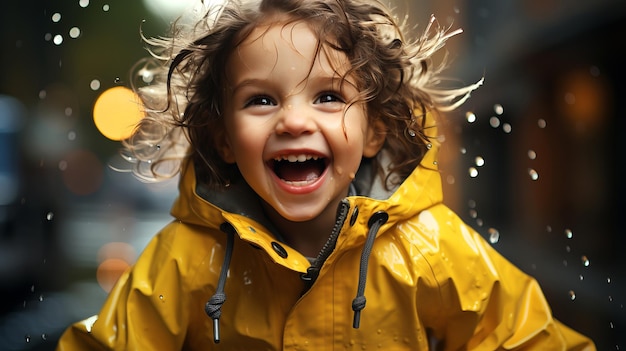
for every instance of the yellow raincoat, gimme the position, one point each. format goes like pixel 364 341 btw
pixel 427 281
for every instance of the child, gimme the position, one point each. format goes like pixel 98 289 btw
pixel 310 213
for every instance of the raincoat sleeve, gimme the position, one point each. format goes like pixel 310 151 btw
pixel 148 308
pixel 486 303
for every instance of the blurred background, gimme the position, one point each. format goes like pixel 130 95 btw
pixel 531 160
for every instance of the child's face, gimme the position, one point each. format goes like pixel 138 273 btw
pixel 288 127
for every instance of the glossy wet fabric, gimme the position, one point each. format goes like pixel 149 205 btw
pixel 432 283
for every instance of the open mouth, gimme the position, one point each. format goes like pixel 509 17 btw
pixel 299 169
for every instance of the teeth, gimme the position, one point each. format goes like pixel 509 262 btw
pixel 296 158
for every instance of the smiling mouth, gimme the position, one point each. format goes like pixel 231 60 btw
pixel 299 170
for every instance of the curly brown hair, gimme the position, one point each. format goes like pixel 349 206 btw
pixel 396 76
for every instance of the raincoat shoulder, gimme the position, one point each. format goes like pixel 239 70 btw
pixel 158 304
pixel 466 295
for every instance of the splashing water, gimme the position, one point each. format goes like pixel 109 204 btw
pixel 494 235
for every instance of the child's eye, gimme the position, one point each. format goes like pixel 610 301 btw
pixel 260 101
pixel 328 97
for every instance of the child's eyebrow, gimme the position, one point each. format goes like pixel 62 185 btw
pixel 248 82
pixel 334 81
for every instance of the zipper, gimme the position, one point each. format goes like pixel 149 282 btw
pixel 314 270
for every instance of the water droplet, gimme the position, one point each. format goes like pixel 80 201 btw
pixel 494 235
pixel 44 337
pixel 450 179
pixel 608 280
pixel 71 135
pixel 83 3
pixel 565 263
pixel 74 32
pixel 479 161
pixel 533 174
pixel 572 295
pixel 610 298
pixel 494 122
pixel 541 123
pixel 569 98
pixel 548 229
pixel 411 133
pixel 463 151
pixel 507 128
pixel 49 217
pixel 40 298
pixel 62 165
pixel 569 234
pixel 429 146
pixel 56 17
pixel 568 248
pixel 32 288
pixel 105 7
pixel 27 338
pixel 473 213
pixel 147 76
pixel 532 154
pixel 94 84
pixel 497 108
pixel 581 277
pixel 68 111
pixel 470 117
pixel 585 261
pixel 473 172
pixel 58 39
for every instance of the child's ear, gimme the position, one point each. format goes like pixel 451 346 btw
pixel 222 145
pixel 374 138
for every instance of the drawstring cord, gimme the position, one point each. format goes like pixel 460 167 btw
pixel 358 304
pixel 213 307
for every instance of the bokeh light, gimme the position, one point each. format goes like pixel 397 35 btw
pixel 116 112
pixel 109 271
pixel 113 259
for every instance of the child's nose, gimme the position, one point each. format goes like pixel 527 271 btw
pixel 296 120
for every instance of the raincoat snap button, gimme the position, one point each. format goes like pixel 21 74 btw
pixel 355 214
pixel 280 250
